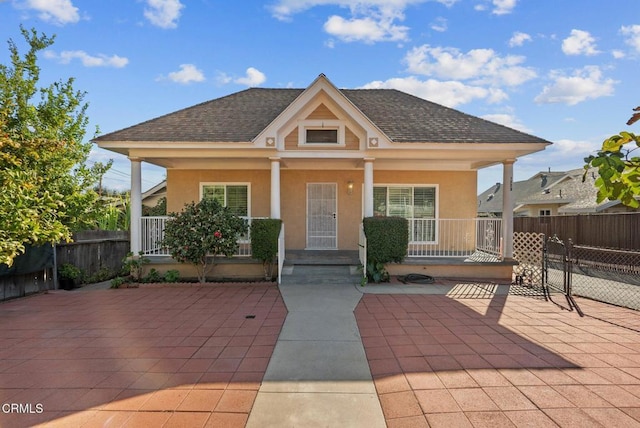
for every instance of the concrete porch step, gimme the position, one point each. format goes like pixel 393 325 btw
pixel 322 257
pixel 321 274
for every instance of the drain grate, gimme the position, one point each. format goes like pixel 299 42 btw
pixel 249 317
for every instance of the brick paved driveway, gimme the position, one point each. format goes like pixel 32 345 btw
pixel 173 356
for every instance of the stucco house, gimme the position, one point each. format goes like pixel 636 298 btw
pixel 550 193
pixel 322 158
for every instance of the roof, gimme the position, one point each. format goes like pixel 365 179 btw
pixel 241 116
pixel 565 188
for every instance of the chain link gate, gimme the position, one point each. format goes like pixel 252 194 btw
pixel 558 267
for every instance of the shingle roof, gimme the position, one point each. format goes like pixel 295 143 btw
pixel 243 115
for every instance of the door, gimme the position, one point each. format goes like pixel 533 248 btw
pixel 322 231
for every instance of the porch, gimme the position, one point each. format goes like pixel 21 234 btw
pixel 451 248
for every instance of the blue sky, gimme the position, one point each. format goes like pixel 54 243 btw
pixel 562 70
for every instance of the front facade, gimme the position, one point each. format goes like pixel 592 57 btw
pixel 322 158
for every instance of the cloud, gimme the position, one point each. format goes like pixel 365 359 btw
pixel 503 7
pixel 586 83
pixel 58 12
pixel 632 36
pixel 188 73
pixel 254 77
pixel 367 29
pixel 448 93
pixel 618 54
pixel 580 43
pixel 163 13
pixel 100 60
pixel 480 66
pixel 439 24
pixel 518 39
pixel 577 149
pixel 507 120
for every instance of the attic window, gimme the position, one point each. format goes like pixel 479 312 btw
pixel 321 133
pixel 322 136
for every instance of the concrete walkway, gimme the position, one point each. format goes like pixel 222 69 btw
pixel 318 374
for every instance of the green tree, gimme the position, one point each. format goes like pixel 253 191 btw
pixel 201 232
pixel 618 166
pixel 46 186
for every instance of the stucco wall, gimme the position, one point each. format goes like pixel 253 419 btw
pixel 456 195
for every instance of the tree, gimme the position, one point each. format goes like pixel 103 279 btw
pixel 201 232
pixel 46 186
pixel 618 167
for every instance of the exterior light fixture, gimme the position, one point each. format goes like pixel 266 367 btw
pixel 349 187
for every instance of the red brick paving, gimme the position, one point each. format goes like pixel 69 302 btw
pixel 501 361
pixel 178 356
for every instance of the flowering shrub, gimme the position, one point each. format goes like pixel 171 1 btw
pixel 201 232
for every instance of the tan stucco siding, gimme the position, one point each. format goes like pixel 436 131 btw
pixel 294 205
pixel 183 186
pixel 456 189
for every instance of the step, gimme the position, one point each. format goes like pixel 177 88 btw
pixel 321 274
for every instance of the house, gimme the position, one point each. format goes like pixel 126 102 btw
pixel 322 158
pixel 550 193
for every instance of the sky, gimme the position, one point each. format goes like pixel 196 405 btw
pixel 563 70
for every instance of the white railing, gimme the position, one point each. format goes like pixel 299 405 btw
pixel 453 237
pixel 362 250
pixel 152 230
pixel 281 252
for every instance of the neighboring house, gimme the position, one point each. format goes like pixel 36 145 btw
pixel 151 197
pixel 322 158
pixel 550 193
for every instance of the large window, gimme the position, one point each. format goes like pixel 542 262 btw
pixel 234 196
pixel 415 203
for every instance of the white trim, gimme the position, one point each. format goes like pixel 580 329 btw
pixel 306 125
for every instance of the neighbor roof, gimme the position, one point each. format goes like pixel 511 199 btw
pixel 241 116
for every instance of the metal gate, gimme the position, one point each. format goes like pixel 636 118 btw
pixel 321 216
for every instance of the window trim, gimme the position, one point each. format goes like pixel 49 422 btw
pixel 225 184
pixel 304 125
pixel 436 210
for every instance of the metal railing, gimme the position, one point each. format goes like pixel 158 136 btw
pixel 281 252
pixel 454 237
pixel 152 231
pixel 362 250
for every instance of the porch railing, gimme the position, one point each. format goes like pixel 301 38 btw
pixel 281 253
pixel 152 231
pixel 454 237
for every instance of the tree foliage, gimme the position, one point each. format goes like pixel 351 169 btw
pixel 618 166
pixel 46 186
pixel 201 232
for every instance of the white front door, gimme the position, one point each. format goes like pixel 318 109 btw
pixel 322 231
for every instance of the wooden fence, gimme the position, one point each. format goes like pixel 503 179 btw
pixel 597 230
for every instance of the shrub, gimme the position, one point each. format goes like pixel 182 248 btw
pixel 201 231
pixel 264 242
pixel 69 271
pixel 387 241
pixel 171 276
pixel 153 276
pixel 132 265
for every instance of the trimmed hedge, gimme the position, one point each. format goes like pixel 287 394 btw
pixel 387 238
pixel 264 238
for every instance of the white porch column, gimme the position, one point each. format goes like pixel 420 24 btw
pixel 368 187
pixel 507 208
pixel 136 204
pixel 275 187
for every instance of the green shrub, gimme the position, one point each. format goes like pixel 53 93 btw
pixel 387 242
pixel 117 282
pixel 153 276
pixel 264 242
pixel 69 271
pixel 172 276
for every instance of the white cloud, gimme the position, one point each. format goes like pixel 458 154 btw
pixel 578 149
pixel 100 60
pixel 580 43
pixel 480 66
pixel 448 93
pixel 58 12
pixel 586 83
pixel 163 13
pixel 518 39
pixel 254 77
pixel 618 54
pixel 365 29
pixel 188 73
pixel 507 120
pixel 439 24
pixel 632 34
pixel 503 7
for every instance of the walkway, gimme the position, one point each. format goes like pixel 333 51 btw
pixel 318 375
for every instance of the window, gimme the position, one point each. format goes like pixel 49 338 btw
pixel 321 132
pixel 415 203
pixel 234 196
pixel 545 213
